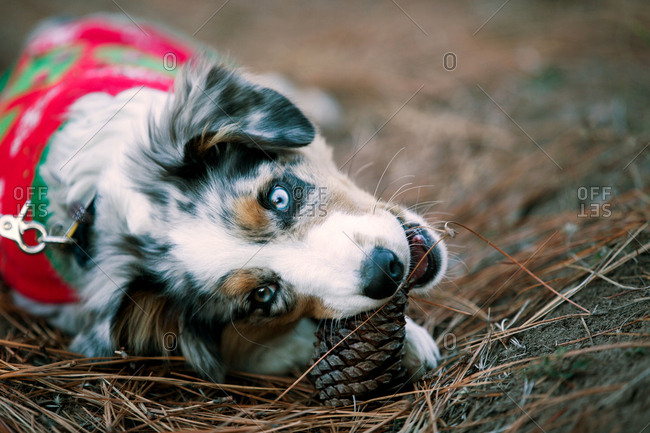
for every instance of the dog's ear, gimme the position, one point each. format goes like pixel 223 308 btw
pixel 214 104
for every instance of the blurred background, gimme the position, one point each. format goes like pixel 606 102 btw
pixel 504 108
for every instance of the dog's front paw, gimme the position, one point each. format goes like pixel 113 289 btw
pixel 421 352
pixel 93 342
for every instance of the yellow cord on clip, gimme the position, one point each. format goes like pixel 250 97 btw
pixel 72 229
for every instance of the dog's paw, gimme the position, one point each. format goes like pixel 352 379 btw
pixel 94 341
pixel 421 352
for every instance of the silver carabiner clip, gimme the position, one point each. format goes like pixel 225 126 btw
pixel 14 228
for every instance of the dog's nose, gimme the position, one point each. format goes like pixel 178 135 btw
pixel 381 272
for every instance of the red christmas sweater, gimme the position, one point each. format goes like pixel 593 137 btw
pixel 61 63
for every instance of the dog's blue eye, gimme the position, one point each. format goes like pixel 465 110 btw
pixel 264 295
pixel 279 198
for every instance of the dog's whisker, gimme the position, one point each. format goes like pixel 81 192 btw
pixel 397 192
pixel 383 174
pixel 362 168
pixel 430 205
pixel 406 176
pixel 418 187
pixel 412 208
pixel 416 206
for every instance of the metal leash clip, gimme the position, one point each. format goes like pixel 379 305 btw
pixel 15 227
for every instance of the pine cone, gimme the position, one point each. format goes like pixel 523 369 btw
pixel 368 362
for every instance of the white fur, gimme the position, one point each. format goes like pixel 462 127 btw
pixel 422 353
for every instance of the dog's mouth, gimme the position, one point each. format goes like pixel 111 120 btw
pixel 425 260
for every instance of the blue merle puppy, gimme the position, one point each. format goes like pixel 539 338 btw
pixel 220 219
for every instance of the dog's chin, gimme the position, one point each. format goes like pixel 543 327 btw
pixel 354 304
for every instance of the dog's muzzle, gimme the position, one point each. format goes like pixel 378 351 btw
pixel 383 271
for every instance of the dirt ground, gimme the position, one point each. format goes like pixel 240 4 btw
pixel 527 122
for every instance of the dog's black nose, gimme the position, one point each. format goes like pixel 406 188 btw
pixel 381 272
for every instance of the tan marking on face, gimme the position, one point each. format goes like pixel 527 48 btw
pixel 142 323
pixel 241 282
pixel 250 215
pixel 241 338
pixel 315 309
